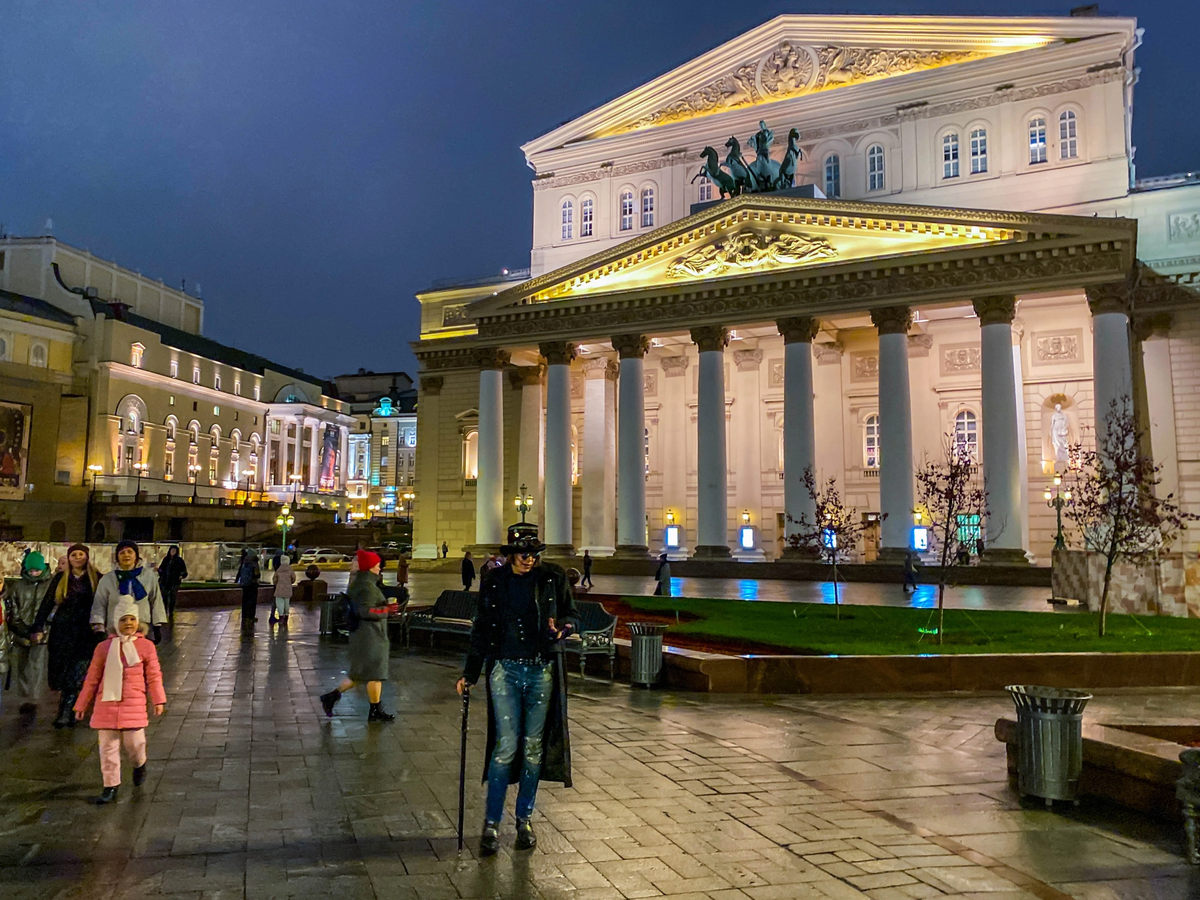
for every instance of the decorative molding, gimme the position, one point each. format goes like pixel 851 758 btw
pixel 527 376
pixel 892 319
pixel 828 354
pixel 1108 298
pixel 630 346
pixel 960 359
pixel 439 359
pixel 864 367
pixel 674 366
pixel 576 380
pixel 775 372
pixel 600 367
pixel 747 360
pixel 919 345
pixel 558 353
pixel 431 384
pixel 749 251
pixel 998 309
pixel 710 337
pixel 635 168
pixel 492 358
pixel 995 98
pixel 650 384
pixel 455 315
pixel 1059 347
pixel 1183 227
pixel 798 329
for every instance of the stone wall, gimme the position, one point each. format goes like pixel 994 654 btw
pixel 1168 586
pixel 201 558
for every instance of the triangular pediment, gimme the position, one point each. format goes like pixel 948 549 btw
pixel 771 236
pixel 792 56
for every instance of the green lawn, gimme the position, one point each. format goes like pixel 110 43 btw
pixel 811 628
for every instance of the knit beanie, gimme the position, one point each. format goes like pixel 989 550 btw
pixel 34 562
pixel 367 560
pixel 125 606
pixel 132 545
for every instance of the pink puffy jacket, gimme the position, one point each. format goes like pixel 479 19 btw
pixel 130 710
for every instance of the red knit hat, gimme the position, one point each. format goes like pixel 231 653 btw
pixel 367 560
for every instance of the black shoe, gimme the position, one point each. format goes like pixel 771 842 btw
pixel 377 714
pixel 329 701
pixel 489 841
pixel 27 709
pixel 271 620
pixel 139 775
pixel 157 634
pixel 526 839
pixel 108 795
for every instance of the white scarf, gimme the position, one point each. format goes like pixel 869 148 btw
pixel 114 671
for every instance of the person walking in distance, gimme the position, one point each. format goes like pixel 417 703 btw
pixel 468 571
pixel 285 577
pixel 123 673
pixel 27 649
pixel 663 577
pixel 445 549
pixel 525 610
pixel 248 576
pixel 172 572
pixel 369 645
pixel 71 641
pixel 587 570
pixel 910 570
pixel 130 578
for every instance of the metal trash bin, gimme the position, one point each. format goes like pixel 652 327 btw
pixel 645 652
pixel 1187 789
pixel 328 610
pixel 1049 740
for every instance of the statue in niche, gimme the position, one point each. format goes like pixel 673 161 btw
pixel 1060 434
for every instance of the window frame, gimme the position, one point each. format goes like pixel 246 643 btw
pixel 625 209
pixel 1037 148
pixel 704 190
pixel 137 354
pixel 876 168
pixel 870 441
pixel 977 144
pixel 950 156
pixel 832 168
pixel 1068 120
pixel 42 346
pixel 966 431
pixel 587 217
pixel 566 212
pixel 646 206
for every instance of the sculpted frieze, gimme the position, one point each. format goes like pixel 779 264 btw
pixel 749 251
pixel 1183 227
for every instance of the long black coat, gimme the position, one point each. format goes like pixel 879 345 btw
pixel 71 641
pixel 552 593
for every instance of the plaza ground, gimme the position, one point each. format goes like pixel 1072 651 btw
pixel 252 793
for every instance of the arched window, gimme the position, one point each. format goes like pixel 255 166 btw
pixel 704 190
pixel 471 456
pixel 568 220
pixel 172 425
pixel 37 355
pixel 627 210
pixel 196 375
pixel 194 432
pixel 586 217
pixel 217 381
pixel 215 434
pixel 648 207
pixel 950 155
pixel 135 422
pixel 966 433
pixel 875 174
pixel 1068 135
pixel 1037 140
pixel 235 438
pixel 871 442
pixel 833 175
pixel 136 352
pixel 978 151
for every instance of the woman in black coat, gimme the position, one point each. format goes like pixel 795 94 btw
pixel 66 611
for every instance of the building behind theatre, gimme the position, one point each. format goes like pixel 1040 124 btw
pixel 970 252
pixel 381 472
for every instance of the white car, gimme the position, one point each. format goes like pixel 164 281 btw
pixel 322 555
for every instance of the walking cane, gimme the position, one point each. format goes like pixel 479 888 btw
pixel 462 763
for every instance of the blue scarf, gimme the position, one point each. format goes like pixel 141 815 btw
pixel 128 583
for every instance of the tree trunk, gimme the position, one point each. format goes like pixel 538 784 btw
pixel 942 607
pixel 1108 567
pixel 837 601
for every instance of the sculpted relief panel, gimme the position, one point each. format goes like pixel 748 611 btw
pixel 1052 349
pixel 750 250
pixel 958 359
pixel 1183 227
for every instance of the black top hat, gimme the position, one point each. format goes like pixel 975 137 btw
pixel 522 538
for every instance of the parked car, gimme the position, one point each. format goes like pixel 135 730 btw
pixel 322 555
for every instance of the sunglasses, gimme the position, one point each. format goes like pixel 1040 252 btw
pixel 520 554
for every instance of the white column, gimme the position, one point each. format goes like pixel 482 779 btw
pixel 599 457
pixel 1022 437
pixel 559 525
pixel 1001 447
pixel 631 447
pixel 314 454
pixel 1160 401
pixel 1112 373
pixel 748 417
pixel 298 441
pixel 799 420
pixel 712 491
pixel 532 439
pixel 489 483
pixel 425 507
pixel 674 434
pixel 895 431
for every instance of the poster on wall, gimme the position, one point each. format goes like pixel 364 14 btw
pixel 329 459
pixel 14 448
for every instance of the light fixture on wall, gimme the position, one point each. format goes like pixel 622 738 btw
pixel 670 517
pixel 745 517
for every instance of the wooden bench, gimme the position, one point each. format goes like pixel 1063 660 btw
pixel 596 629
pixel 452 613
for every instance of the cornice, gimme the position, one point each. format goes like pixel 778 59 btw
pixel 184 388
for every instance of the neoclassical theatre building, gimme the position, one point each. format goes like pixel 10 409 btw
pixel 966 251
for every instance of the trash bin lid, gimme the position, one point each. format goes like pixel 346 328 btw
pixel 1070 701
pixel 646 629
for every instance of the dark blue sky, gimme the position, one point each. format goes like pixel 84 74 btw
pixel 313 164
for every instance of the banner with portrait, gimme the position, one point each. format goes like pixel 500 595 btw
pixel 329 459
pixel 14 448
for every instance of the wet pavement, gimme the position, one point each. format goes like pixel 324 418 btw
pixel 252 793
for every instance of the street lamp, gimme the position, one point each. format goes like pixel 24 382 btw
pixel 409 496
pixel 95 470
pixel 285 520
pixel 141 470
pixel 523 502
pixel 1056 500
pixel 295 479
pixel 194 475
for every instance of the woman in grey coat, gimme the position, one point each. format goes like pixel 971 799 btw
pixel 369 645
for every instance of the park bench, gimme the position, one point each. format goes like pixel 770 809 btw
pixel 452 613
pixel 595 638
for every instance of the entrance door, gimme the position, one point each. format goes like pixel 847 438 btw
pixel 871 537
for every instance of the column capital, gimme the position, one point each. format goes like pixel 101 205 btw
pixel 600 367
pixel 997 309
pixel 527 376
pixel 1108 298
pixel 710 337
pixel 747 360
pixel 674 365
pixel 919 345
pixel 631 346
pixel 892 319
pixel 492 358
pixel 1148 325
pixel 557 353
pixel 828 354
pixel 799 329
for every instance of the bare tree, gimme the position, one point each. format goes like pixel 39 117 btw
pixel 1114 503
pixel 835 529
pixel 955 500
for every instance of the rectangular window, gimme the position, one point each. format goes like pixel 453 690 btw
pixel 136 352
pixel 1068 137
pixel 648 208
pixel 978 151
pixel 385 440
pixel 875 174
pixel 705 193
pixel 212 470
pixel 196 375
pixel 1037 141
pixel 950 156
pixel 256 392
pixel 237 389
pixel 174 368
pixel 627 211
pixel 585 218
pixel 216 410
pixel 833 176
pixel 171 400
pixel 217 382
pixel 169 468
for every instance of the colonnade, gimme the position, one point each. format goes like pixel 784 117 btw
pixel 1003 442
pixel 286 451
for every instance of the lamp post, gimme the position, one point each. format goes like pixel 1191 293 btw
pixel 285 520
pixel 409 496
pixel 194 474
pixel 140 467
pixel 523 502
pixel 1056 500
pixel 295 479
pixel 95 470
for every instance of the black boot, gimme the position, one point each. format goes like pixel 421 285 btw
pixel 271 620
pixel 526 839
pixel 139 775
pixel 108 795
pixel 489 841
pixel 66 713
pixel 377 714
pixel 329 701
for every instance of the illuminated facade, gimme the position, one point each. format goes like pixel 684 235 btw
pixel 382 443
pixel 955 261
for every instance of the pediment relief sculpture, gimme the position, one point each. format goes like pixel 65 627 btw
pixel 749 251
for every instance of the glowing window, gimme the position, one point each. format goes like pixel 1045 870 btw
pixel 966 433
pixel 833 175
pixel 37 355
pixel 586 216
pixel 871 442
pixel 647 207
pixel 627 210
pixel 950 155
pixel 136 352
pixel 174 368
pixel 875 173
pixel 196 375
pixel 568 220
pixel 1037 140
pixel 1068 136
pixel 978 151
pixel 471 456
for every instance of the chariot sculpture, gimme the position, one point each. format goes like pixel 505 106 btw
pixel 758 177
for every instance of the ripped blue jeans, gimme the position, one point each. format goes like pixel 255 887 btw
pixel 520 700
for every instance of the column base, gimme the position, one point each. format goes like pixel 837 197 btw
pixel 598 552
pixel 751 556
pixel 711 551
pixel 798 554
pixel 891 555
pixel 426 551
pixel 559 551
pixel 1003 556
pixel 478 551
pixel 632 551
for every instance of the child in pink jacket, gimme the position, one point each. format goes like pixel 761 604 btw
pixel 124 670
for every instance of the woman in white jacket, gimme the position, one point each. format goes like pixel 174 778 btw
pixel 285 577
pixel 129 577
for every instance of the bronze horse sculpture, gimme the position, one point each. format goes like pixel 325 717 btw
pixel 712 171
pixel 763 175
